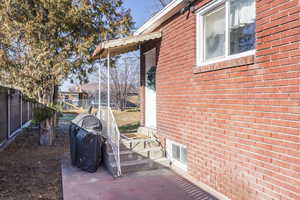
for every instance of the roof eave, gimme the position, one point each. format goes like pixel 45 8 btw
pixel 123 45
pixel 155 21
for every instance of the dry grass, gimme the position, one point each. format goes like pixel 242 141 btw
pixel 128 121
pixel 70 111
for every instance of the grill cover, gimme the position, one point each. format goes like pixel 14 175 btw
pixel 88 150
pixel 85 142
pixel 73 150
pixel 88 122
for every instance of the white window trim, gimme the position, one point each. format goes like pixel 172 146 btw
pixel 200 35
pixel 169 154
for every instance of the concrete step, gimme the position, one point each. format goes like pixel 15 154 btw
pixel 142 165
pixel 136 144
pixel 136 155
pixel 148 153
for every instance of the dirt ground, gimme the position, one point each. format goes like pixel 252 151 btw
pixel 29 171
pixel 32 172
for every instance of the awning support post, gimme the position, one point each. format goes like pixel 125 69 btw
pixel 108 93
pixel 99 95
pixel 108 79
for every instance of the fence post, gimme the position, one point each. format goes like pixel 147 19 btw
pixel 28 112
pixel 4 118
pixel 8 112
pixel 21 109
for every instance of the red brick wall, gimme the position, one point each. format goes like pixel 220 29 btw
pixel 241 125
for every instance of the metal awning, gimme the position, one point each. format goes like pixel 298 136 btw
pixel 113 48
pixel 123 45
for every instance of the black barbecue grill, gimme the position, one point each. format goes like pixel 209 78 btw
pixel 85 142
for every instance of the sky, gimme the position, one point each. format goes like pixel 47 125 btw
pixel 141 11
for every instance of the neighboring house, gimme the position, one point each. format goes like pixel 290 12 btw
pixel 220 88
pixel 91 91
pixel 77 98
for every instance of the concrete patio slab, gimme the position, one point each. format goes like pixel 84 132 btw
pixel 160 184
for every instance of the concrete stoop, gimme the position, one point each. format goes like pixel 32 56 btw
pixel 136 155
pixel 150 132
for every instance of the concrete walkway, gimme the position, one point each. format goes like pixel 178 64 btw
pixel 146 185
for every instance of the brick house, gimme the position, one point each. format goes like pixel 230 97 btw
pixel 220 88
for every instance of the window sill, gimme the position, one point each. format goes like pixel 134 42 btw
pixel 229 63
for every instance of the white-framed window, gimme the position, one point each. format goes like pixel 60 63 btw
pixel 177 153
pixel 225 30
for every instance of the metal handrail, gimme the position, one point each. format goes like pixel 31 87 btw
pixel 112 133
pixel 117 137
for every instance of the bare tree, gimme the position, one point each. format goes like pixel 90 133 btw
pixel 124 80
pixel 158 5
pixel 163 3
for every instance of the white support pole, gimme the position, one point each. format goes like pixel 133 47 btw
pixel 108 80
pixel 108 93
pixel 99 96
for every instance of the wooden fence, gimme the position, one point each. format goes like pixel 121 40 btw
pixel 15 113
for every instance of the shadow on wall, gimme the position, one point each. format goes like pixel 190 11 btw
pixel 226 184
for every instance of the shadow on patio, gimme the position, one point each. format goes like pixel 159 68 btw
pixel 144 185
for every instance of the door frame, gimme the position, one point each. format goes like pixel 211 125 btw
pixel 153 50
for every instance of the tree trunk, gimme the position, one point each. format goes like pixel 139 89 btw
pixel 55 94
pixel 47 132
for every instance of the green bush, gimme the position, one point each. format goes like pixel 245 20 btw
pixel 133 109
pixel 56 107
pixel 42 113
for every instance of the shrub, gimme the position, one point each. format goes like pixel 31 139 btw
pixel 42 113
